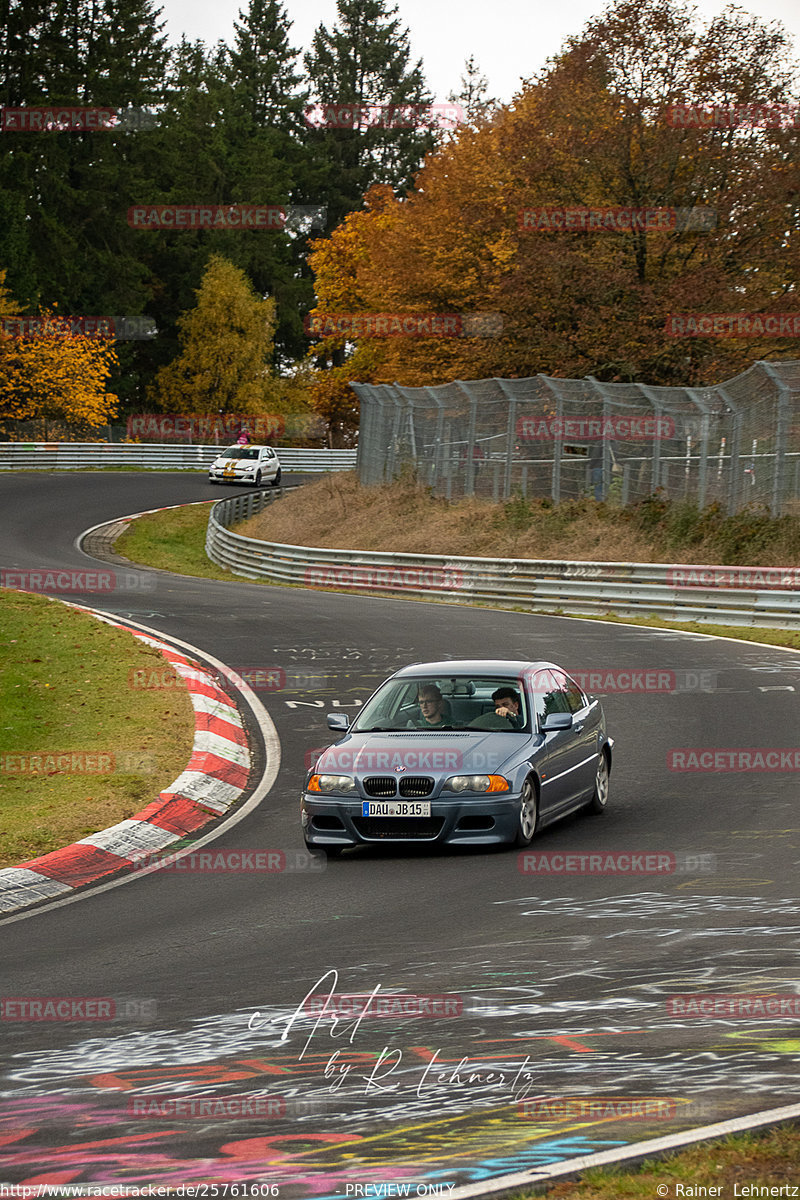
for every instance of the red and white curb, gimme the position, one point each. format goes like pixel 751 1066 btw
pixel 214 779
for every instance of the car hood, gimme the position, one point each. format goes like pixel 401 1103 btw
pixel 421 752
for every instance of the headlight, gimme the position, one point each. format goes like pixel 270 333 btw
pixel 476 783
pixel 331 783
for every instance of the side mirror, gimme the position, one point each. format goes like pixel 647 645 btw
pixel 556 721
pixel 338 722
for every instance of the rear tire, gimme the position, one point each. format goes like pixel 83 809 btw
pixel 277 480
pixel 599 799
pixel 528 817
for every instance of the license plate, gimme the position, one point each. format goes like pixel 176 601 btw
pixel 396 808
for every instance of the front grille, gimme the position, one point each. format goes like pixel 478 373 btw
pixel 380 785
pixel 416 785
pixel 411 828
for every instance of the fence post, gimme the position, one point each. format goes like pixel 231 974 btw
pixel 511 428
pixel 555 488
pixel 735 443
pixel 781 435
pixel 658 409
pixel 702 482
pixel 438 449
pixel 604 487
pixel 469 480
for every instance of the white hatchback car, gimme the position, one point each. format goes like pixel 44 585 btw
pixel 246 464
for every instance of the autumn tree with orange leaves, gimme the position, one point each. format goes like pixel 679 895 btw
pixel 590 130
pixel 53 376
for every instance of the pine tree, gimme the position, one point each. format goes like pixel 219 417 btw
pixel 366 60
pixel 64 196
pixel 473 97
pixel 271 162
pixel 263 69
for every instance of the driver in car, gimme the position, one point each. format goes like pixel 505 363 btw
pixel 507 704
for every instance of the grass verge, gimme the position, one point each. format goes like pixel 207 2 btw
pixel 82 746
pixel 766 1159
pixel 173 540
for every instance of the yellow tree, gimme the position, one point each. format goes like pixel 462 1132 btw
pixel 53 376
pixel 590 131
pixel 227 346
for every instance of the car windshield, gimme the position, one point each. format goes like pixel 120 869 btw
pixel 454 702
pixel 240 452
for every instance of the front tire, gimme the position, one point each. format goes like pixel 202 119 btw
pixel 599 799
pixel 257 480
pixel 528 814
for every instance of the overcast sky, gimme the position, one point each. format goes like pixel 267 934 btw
pixel 510 39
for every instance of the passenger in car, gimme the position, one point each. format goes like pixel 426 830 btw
pixel 433 709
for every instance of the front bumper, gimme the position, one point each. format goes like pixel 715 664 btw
pixel 474 821
pixel 218 475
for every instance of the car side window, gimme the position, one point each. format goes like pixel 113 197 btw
pixel 549 691
pixel 575 697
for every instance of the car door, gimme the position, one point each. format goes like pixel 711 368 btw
pixel 268 461
pixel 586 716
pixel 562 773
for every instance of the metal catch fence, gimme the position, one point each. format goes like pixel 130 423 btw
pixel 735 443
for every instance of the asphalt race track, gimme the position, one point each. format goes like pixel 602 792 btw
pixel 554 1034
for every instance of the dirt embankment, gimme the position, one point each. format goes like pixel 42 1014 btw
pixel 337 512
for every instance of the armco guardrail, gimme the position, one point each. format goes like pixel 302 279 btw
pixel 678 592
pixel 52 456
